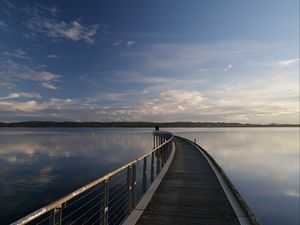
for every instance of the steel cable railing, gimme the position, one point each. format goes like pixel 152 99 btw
pixel 111 198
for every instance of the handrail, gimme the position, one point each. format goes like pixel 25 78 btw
pixel 57 204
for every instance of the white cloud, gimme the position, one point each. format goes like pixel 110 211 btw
pixel 281 64
pixel 53 56
pixel 55 29
pixel 135 77
pixel 293 193
pixel 227 68
pixel 43 76
pixel 166 107
pixel 58 104
pixel 20 94
pixel 47 79
pixel 27 106
pixel 3 24
pixel 12 73
pixel 49 86
pixel 130 43
pixel 117 43
pixel 44 22
pixel 18 53
pixel 269 100
pixel 288 62
pixel 178 100
pixel 35 106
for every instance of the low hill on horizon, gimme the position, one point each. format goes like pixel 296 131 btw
pixel 138 124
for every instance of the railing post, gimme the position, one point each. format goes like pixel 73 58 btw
pixel 161 153
pixel 164 151
pixel 56 216
pixel 152 167
pixel 129 182
pixel 167 150
pixel 133 185
pixel 145 175
pixel 105 202
pixel 162 157
pixel 162 141
pixel 158 161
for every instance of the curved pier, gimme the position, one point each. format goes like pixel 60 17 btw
pixel 194 191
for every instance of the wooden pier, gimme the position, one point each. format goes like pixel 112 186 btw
pixel 190 193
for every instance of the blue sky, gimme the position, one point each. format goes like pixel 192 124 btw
pixel 232 61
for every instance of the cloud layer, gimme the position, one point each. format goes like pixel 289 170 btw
pixel 171 83
pixel 12 73
pixel 226 104
pixel 56 30
pixel 49 70
pixel 43 21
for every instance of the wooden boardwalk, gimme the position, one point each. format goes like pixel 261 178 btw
pixel 190 193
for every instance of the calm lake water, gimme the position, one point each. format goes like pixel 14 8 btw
pixel 37 166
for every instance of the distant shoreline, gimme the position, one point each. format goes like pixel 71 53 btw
pixel 40 124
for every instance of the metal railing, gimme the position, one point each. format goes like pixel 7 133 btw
pixel 111 198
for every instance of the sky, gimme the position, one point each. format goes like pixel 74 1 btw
pixel 160 61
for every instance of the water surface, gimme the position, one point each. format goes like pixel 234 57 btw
pixel 39 165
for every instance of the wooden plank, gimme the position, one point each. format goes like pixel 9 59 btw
pixel 190 193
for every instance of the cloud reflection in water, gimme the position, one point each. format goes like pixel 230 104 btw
pixel 37 166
